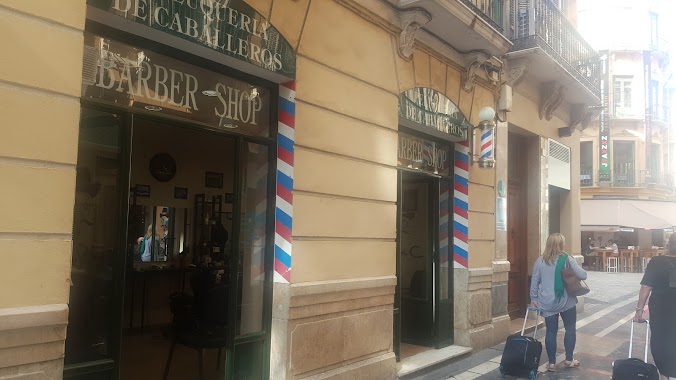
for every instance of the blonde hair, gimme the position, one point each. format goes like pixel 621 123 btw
pixel 553 248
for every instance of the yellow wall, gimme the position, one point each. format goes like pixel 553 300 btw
pixel 524 119
pixel 349 77
pixel 40 76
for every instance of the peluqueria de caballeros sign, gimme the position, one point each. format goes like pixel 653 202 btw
pixel 231 27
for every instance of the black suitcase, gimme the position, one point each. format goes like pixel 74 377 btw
pixel 521 357
pixel 632 368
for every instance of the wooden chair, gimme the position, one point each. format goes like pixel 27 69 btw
pixel 209 332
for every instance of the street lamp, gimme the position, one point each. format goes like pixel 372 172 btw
pixel 486 158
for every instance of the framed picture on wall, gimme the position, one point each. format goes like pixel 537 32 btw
pixel 143 191
pixel 180 192
pixel 229 198
pixel 214 180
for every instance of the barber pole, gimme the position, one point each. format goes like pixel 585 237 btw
pixel 487 143
pixel 461 206
pixel 285 174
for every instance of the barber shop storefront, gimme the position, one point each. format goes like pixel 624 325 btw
pixel 241 189
pixel 174 206
pixel 429 126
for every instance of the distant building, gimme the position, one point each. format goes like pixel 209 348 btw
pixel 627 155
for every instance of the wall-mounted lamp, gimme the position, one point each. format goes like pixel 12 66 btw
pixel 486 157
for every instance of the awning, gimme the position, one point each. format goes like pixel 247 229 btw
pixel 605 213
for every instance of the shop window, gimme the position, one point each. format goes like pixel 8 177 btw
pixel 95 237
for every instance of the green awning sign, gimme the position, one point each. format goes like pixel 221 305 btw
pixel 432 109
pixel 231 27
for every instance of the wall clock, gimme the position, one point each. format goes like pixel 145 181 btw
pixel 162 167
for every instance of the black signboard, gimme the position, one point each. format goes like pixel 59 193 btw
pixel 121 74
pixel 421 154
pixel 604 122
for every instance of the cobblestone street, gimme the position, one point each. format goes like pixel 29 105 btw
pixel 602 336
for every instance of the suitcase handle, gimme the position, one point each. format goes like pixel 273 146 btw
pixel 537 320
pixel 647 339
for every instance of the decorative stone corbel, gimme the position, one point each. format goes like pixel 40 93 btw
pixel 582 115
pixel 515 74
pixel 551 97
pixel 411 21
pixel 579 116
pixel 473 60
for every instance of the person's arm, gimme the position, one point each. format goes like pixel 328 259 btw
pixel 643 295
pixel 535 284
pixel 648 282
pixel 577 269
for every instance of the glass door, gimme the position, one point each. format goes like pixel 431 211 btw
pixel 416 250
pixel 99 234
pixel 443 265
pixel 251 287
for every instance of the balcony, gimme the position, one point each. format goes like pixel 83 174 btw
pixel 466 25
pixel 633 178
pixel 490 11
pixel 553 50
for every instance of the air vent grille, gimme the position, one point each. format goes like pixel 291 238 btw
pixel 559 151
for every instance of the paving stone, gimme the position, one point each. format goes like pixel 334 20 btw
pixel 595 353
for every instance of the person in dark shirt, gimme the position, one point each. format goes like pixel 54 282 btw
pixel 659 283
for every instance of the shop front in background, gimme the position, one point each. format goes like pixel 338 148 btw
pixel 429 125
pixel 173 221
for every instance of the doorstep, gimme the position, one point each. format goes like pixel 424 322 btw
pixel 425 360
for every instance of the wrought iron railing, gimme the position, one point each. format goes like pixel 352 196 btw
pixel 631 178
pixel 588 178
pixel 491 11
pixel 539 23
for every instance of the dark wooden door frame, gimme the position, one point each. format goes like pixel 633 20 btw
pixel 517 211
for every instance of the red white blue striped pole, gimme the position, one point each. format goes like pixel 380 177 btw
pixel 285 174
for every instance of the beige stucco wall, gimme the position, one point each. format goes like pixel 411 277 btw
pixel 349 74
pixel 525 120
pixel 348 80
pixel 40 78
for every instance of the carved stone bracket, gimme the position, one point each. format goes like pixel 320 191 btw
pixel 515 74
pixel 579 116
pixel 551 97
pixel 411 21
pixel 473 60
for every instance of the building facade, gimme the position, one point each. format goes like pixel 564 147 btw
pixel 626 157
pixel 308 182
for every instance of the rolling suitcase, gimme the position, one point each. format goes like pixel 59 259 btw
pixel 521 356
pixel 632 368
